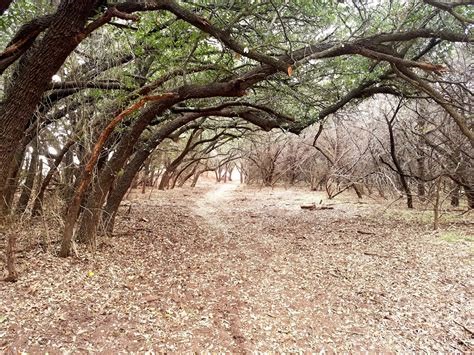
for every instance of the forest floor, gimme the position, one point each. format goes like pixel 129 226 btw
pixel 238 269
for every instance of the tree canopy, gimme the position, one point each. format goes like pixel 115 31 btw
pixel 116 79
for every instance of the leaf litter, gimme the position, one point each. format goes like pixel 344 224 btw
pixel 238 269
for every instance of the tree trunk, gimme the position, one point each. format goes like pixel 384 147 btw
pixel 196 178
pixel 69 175
pixel 393 154
pixel 420 160
pixel 124 182
pixel 225 173
pixel 165 178
pixel 12 183
pixel 188 176
pixel 436 204
pixel 152 177
pixel 130 171
pixel 469 191
pixel 38 204
pixel 29 181
pixel 11 259
pixel 357 190
pixel 39 176
pixel 455 192
pixel 38 65
pixel 146 173
pixel 126 179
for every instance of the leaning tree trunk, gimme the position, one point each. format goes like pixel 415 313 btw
pixel 166 178
pixel 358 190
pixel 123 183
pixel 187 176
pixel 196 177
pixel 39 64
pixel 107 175
pixel 123 152
pixel 116 196
pixel 86 177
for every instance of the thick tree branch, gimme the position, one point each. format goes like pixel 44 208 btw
pixel 23 40
pixel 78 85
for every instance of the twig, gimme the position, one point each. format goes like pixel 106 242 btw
pixel 374 254
pixel 464 327
pixel 363 232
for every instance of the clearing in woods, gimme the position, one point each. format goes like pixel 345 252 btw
pixel 232 268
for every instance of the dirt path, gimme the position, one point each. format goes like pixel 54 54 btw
pixel 227 268
pixel 208 205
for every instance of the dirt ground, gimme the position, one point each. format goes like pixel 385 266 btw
pixel 238 269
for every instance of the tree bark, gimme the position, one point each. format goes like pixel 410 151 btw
pixel 37 67
pixel 171 168
pixel 11 258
